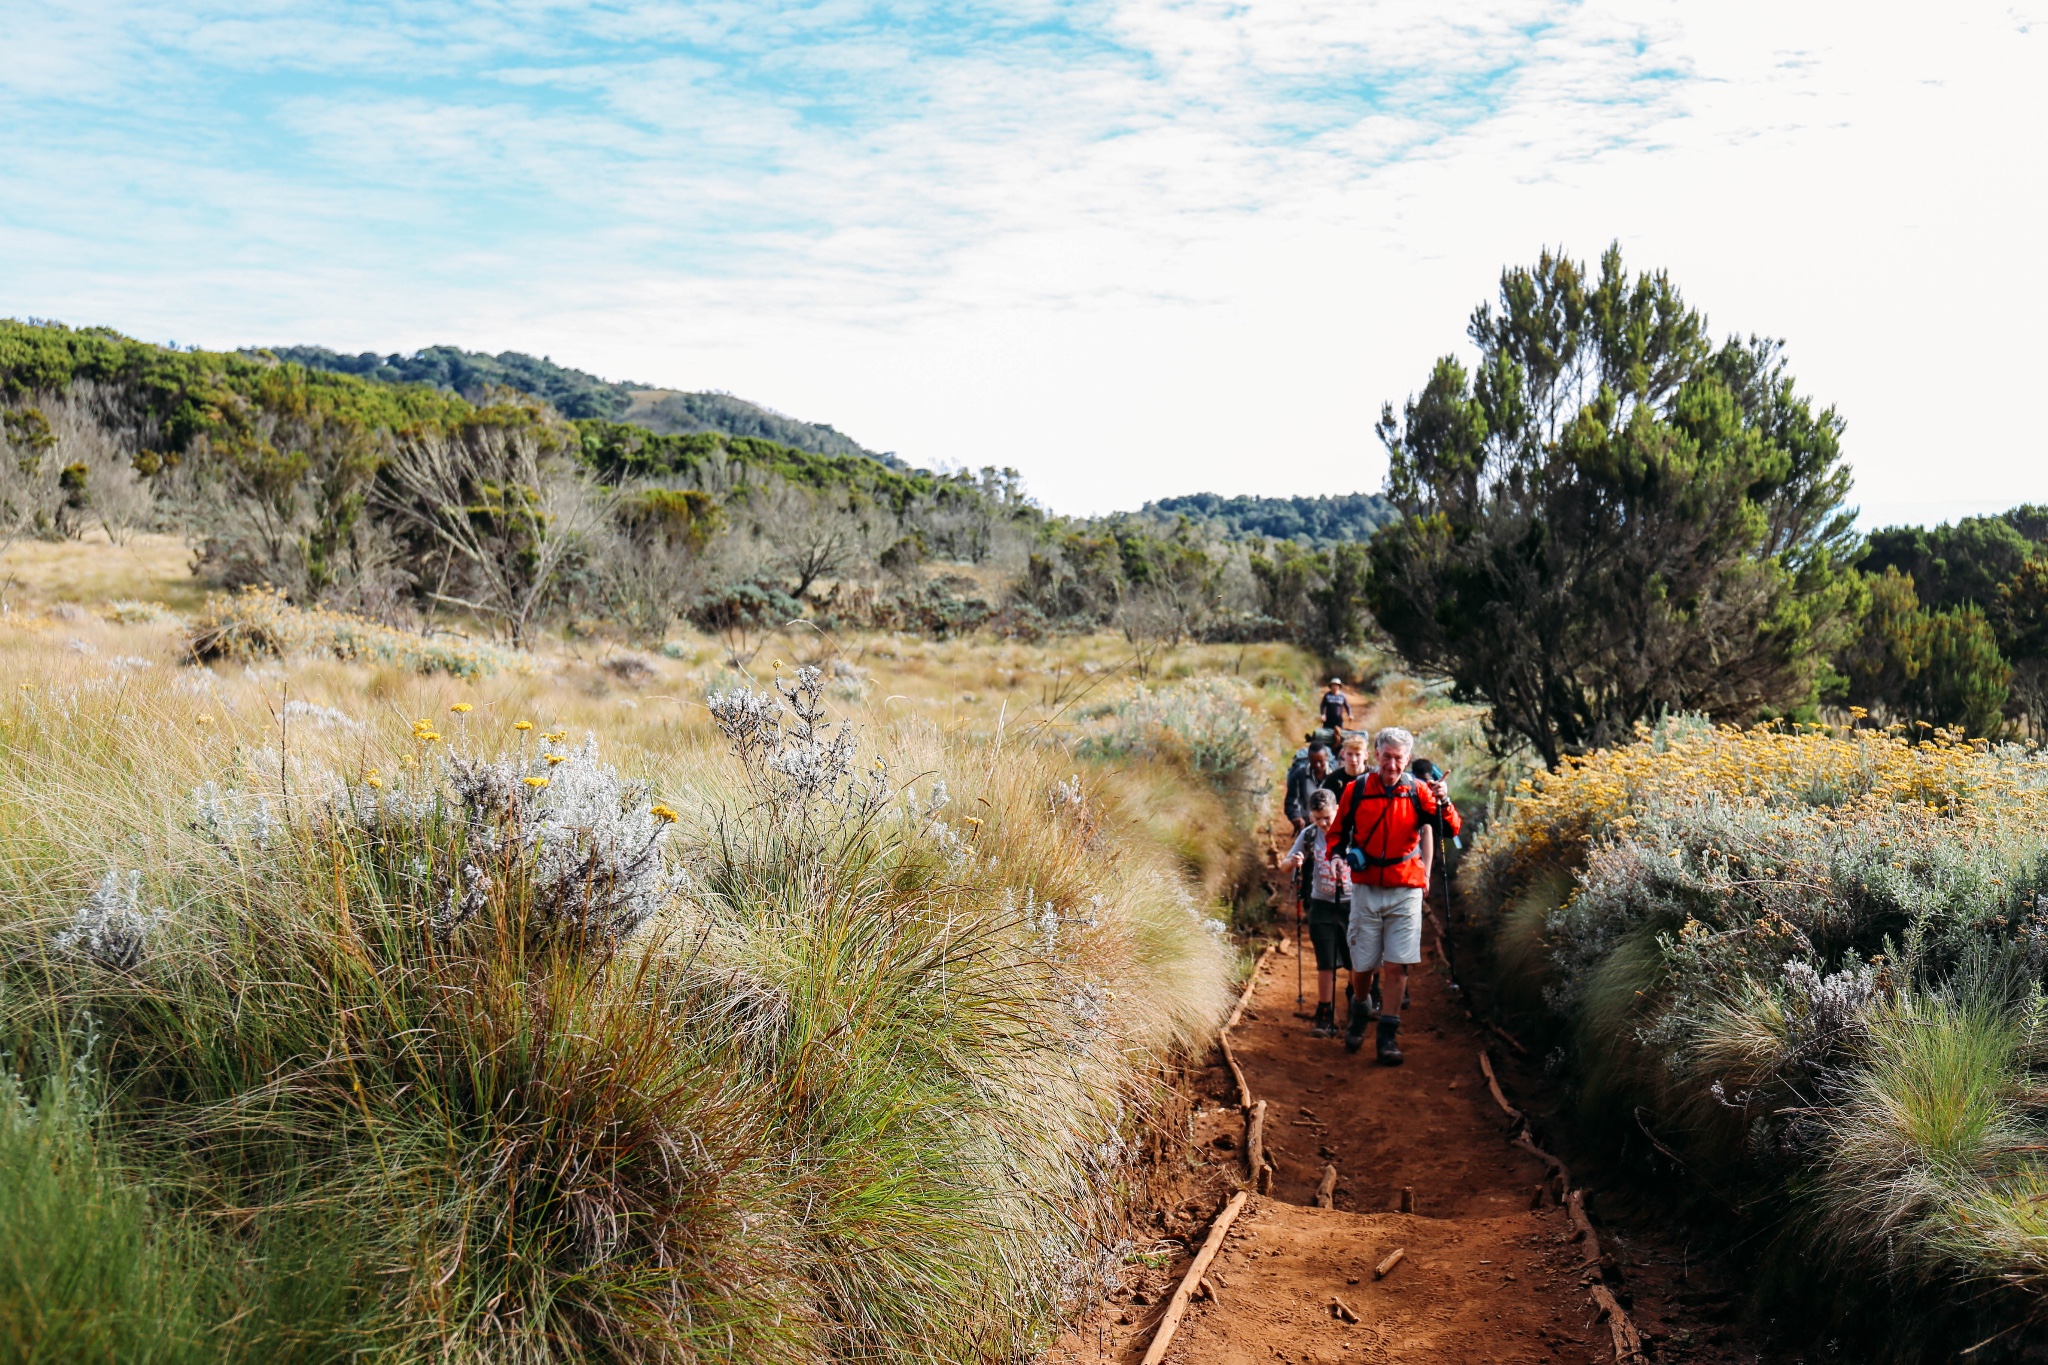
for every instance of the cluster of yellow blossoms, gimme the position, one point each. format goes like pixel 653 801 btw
pixel 1853 772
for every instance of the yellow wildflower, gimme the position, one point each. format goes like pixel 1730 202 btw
pixel 663 813
pixel 462 708
pixel 535 782
pixel 522 725
pixel 553 759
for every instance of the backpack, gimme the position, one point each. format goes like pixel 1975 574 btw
pixel 1357 857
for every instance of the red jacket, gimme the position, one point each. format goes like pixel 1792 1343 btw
pixel 1388 826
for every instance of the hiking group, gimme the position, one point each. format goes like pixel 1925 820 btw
pixel 1367 838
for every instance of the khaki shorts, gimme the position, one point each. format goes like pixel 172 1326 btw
pixel 1386 926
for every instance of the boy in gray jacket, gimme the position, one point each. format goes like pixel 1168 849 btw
pixel 1326 886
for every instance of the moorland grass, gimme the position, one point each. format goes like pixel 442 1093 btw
pixel 864 1086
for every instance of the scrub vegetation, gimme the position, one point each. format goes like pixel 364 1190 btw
pixel 1806 964
pixel 353 1010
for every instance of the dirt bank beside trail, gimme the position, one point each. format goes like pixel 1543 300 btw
pixel 1484 1277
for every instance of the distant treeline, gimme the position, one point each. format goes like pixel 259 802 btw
pixel 1321 521
pixel 466 495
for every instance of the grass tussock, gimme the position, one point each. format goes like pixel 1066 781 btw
pixel 1811 965
pixel 259 623
pixel 468 1037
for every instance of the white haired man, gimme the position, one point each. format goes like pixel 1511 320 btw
pixel 1381 831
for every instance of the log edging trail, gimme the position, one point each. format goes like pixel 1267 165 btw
pixel 1176 1308
pixel 1628 1343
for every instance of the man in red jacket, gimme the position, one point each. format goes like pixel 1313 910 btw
pixel 1380 832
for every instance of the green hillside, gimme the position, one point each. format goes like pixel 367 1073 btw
pixel 578 394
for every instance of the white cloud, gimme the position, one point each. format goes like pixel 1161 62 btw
pixel 1133 247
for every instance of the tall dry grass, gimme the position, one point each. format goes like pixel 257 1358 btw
pixel 383 1052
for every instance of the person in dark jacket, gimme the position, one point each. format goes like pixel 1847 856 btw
pixel 1352 756
pixel 1304 777
pixel 1335 708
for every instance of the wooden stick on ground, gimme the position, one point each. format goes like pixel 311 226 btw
pixel 1244 1091
pixel 1575 1209
pixel 1250 984
pixel 1557 1168
pixel 1255 1140
pixel 1326 1189
pixel 1628 1346
pixel 1177 1306
pixel 1380 1271
pixel 1493 1085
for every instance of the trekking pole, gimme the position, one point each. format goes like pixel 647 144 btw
pixel 1299 997
pixel 1444 843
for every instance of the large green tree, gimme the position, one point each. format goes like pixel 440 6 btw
pixel 1611 517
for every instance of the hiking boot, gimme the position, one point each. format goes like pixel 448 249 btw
pixel 1325 1025
pixel 1389 1050
pixel 1354 1032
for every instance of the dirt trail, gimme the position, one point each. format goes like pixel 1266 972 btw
pixel 1492 1271
pixel 1484 1277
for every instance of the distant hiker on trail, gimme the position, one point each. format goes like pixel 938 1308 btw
pixel 1304 778
pixel 1380 831
pixel 1326 890
pixel 1353 755
pixel 1336 708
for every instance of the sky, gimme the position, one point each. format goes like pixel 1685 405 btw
pixel 1131 248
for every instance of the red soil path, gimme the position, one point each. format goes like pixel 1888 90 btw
pixel 1484 1278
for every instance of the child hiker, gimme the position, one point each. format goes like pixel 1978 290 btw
pixel 1326 886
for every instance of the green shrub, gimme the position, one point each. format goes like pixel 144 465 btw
pixel 1811 964
pixel 1205 724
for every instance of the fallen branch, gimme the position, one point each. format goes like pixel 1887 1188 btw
pixel 1255 1140
pixel 1250 984
pixel 1628 1346
pixel 1326 1188
pixel 1575 1209
pixel 1493 1085
pixel 1381 1271
pixel 1509 1039
pixel 1341 1310
pixel 1244 1091
pixel 1177 1306
pixel 1557 1168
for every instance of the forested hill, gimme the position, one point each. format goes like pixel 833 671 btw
pixel 580 394
pixel 1312 521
